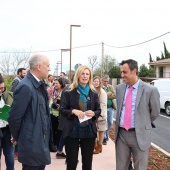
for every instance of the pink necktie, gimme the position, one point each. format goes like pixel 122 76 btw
pixel 128 109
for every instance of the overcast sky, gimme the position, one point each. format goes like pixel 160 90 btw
pixel 45 25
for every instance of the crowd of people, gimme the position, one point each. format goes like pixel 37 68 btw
pixel 51 114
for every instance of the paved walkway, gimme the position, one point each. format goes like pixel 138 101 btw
pixel 102 161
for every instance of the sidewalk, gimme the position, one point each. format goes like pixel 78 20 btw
pixel 104 160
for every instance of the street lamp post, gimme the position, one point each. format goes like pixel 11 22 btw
pixel 58 62
pixel 71 44
pixel 63 50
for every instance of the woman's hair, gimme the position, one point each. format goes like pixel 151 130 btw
pixel 77 75
pixel 61 82
pixel 98 89
pixel 49 75
pixel 1 79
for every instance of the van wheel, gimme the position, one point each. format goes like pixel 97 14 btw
pixel 167 109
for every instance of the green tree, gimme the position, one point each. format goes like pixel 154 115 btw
pixel 166 52
pixel 150 58
pixel 162 56
pixel 143 71
pixel 114 72
pixel 105 66
pixel 158 58
pixel 8 82
pixel 151 72
pixel 108 63
pixel 97 72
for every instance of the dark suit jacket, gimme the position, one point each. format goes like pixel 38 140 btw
pixel 70 101
pixel 29 122
pixel 147 109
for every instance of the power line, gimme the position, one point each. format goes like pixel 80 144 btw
pixel 86 45
pixel 45 51
pixel 138 43
pixel 30 51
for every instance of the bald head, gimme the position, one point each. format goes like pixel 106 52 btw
pixel 35 60
pixel 39 65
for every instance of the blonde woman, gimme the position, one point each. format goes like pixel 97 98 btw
pixel 80 101
pixel 101 122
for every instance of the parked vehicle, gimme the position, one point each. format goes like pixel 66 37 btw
pixel 163 86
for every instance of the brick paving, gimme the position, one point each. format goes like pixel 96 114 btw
pixel 102 161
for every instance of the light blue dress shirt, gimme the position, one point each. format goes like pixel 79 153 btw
pixel 134 94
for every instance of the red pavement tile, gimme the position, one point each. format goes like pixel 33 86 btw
pixel 104 160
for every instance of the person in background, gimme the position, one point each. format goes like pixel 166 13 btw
pixel 30 124
pixel 79 101
pixel 49 80
pixel 111 95
pixel 101 122
pixel 21 73
pixel 50 86
pixel 63 75
pixel 138 105
pixel 6 97
pixel 55 106
pixel 63 119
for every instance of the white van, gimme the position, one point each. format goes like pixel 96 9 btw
pixel 163 86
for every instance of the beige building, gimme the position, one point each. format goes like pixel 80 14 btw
pixel 162 68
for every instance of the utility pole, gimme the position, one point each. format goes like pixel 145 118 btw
pixel 102 65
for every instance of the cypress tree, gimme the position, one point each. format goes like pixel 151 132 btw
pixel 166 52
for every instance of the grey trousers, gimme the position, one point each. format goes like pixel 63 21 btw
pixel 125 146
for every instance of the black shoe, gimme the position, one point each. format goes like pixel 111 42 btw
pixel 130 166
pixel 107 139
pixel 60 156
pixel 104 142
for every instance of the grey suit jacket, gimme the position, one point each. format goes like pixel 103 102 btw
pixel 147 109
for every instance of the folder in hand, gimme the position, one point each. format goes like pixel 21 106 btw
pixel 4 112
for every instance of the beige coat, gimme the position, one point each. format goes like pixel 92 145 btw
pixel 111 94
pixel 102 125
pixel 103 103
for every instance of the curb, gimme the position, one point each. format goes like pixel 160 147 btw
pixel 160 149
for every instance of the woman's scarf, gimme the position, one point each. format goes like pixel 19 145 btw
pixel 84 93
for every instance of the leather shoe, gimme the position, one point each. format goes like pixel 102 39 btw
pixel 104 142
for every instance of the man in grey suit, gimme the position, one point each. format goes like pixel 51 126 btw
pixel 144 109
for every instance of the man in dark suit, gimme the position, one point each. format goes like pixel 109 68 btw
pixel 138 106
pixel 21 73
pixel 29 117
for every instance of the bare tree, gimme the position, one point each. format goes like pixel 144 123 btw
pixel 11 61
pixel 107 65
pixel 4 64
pixel 93 61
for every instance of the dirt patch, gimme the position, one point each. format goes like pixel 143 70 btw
pixel 157 159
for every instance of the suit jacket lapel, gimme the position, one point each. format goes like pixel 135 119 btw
pixel 122 94
pixel 139 94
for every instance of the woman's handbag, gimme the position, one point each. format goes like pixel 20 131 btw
pixel 101 124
